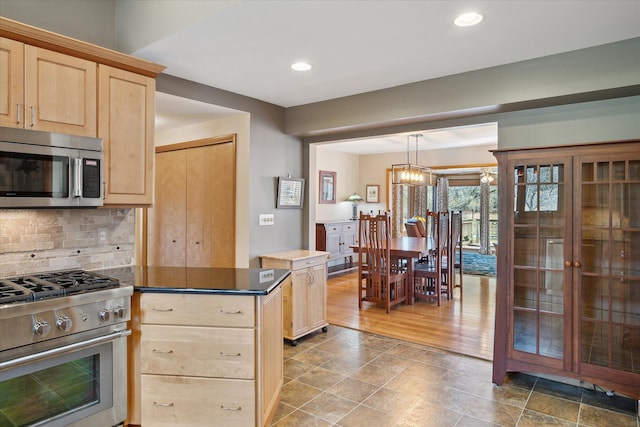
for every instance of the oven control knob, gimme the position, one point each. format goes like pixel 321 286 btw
pixel 41 328
pixel 64 323
pixel 104 314
pixel 120 312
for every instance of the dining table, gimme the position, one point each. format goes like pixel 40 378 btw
pixel 411 249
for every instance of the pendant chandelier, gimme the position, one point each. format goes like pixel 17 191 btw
pixel 408 173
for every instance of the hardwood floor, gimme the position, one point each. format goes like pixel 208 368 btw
pixel 462 325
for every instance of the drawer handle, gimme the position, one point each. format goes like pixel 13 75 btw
pixel 222 353
pixel 164 405
pixel 230 408
pixel 310 262
pixel 162 351
pixel 164 310
pixel 231 312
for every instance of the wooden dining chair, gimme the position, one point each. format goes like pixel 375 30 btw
pixel 412 229
pixel 455 245
pixel 382 279
pixel 431 277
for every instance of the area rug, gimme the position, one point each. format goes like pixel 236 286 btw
pixel 480 265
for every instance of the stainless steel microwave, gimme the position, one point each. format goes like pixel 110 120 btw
pixel 49 170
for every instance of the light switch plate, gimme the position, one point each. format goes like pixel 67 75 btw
pixel 266 219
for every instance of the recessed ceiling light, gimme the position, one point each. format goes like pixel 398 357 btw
pixel 468 19
pixel 301 66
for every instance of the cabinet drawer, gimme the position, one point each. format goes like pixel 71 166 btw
pixel 197 351
pixel 173 401
pixel 299 264
pixel 198 310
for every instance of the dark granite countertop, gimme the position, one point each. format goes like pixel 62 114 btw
pixel 196 280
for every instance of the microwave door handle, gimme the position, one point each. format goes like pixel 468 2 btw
pixel 77 178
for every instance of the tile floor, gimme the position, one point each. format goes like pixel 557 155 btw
pixel 349 378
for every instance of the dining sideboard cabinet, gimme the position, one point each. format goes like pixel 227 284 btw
pixel 305 296
pixel 337 237
pixel 568 286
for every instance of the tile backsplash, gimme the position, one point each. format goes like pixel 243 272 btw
pixel 37 240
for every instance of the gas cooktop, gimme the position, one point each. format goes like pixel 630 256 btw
pixel 55 284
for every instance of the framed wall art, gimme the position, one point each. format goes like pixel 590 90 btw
pixel 327 190
pixel 290 193
pixel 372 195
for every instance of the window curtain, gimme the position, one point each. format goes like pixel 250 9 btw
pixel 397 224
pixel 484 218
pixel 442 195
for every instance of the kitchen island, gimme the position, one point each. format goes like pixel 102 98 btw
pixel 206 345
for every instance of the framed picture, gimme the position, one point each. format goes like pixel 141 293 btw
pixel 372 194
pixel 290 192
pixel 327 191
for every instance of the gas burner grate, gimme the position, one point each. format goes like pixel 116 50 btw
pixel 52 285
pixel 79 281
pixel 10 293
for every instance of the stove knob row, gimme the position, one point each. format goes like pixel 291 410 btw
pixel 64 323
pixel 41 328
pixel 118 311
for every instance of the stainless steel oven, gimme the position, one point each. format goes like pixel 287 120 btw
pixel 63 354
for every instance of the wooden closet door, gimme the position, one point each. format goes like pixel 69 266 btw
pixel 211 206
pixel 166 221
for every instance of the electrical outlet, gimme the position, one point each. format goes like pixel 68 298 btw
pixel 266 276
pixel 266 219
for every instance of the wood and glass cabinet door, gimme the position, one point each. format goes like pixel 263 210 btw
pixel 607 263
pixel 541 291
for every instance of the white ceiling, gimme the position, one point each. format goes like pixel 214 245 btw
pixel 356 46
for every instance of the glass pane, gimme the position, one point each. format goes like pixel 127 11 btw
pixel 551 295
pixel 551 335
pixel 595 298
pixel 524 331
pixel 587 172
pixel 619 171
pixel 603 172
pixel 625 346
pixel 625 302
pixel 631 206
pixel 634 170
pixel 545 173
pixel 525 290
pixel 595 339
pixel 531 198
pixel 525 253
pixel 632 254
pixel 531 174
pixel 595 251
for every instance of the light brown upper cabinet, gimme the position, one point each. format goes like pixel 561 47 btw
pixel 45 90
pixel 53 83
pixel 126 125
pixel 192 222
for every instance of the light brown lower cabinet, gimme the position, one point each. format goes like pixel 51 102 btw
pixel 305 296
pixel 206 359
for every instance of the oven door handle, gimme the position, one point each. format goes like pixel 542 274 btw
pixel 64 349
